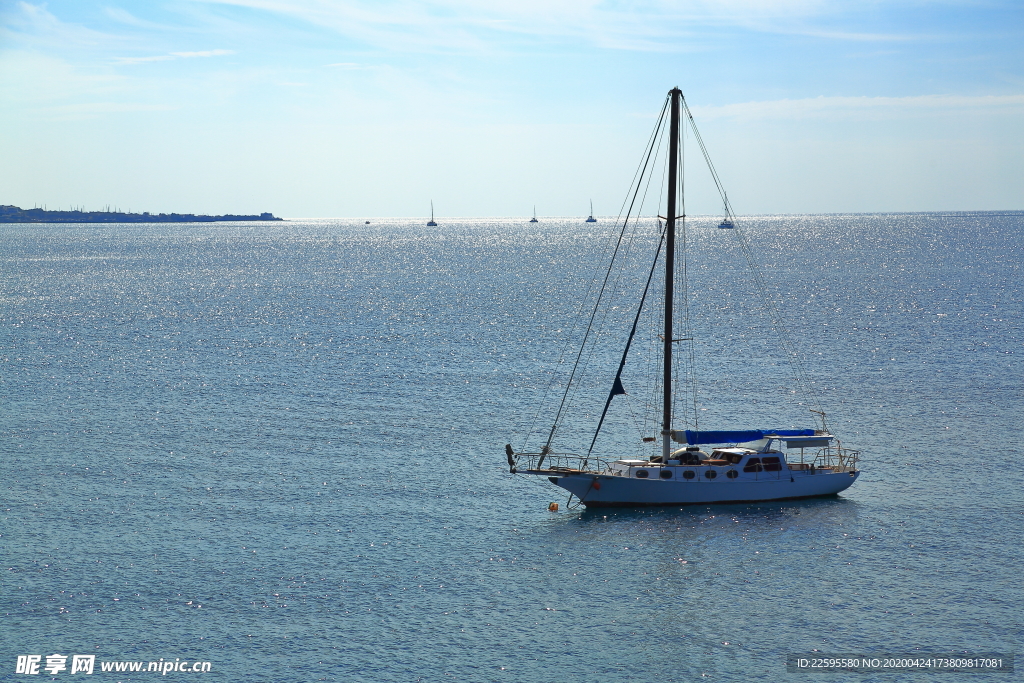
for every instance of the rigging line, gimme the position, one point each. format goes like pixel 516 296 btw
pixel 569 339
pixel 586 336
pixel 641 171
pixel 637 182
pixel 784 336
pixel 636 186
pixel 707 158
pixel 647 404
pixel 680 274
pixel 617 384
pixel 640 424
pixel 583 345
pixel 567 344
pixel 689 373
pixel 639 174
pixel 613 291
pixel 653 391
pixel 778 323
pixel 656 394
pixel 634 189
pixel 601 323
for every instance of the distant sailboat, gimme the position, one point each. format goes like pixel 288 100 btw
pixel 727 221
pixel 431 222
pixel 590 218
pixel 534 219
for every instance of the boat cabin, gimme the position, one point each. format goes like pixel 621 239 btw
pixel 746 459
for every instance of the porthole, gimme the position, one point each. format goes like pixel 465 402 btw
pixel 688 474
pixel 732 474
pixel 641 474
pixel 711 474
pixel 666 474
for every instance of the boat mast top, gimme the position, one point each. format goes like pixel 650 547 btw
pixel 670 245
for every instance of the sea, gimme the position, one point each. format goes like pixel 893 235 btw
pixel 274 451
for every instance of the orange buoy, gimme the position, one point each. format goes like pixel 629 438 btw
pixel 553 507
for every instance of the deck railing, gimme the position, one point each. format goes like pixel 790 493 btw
pixel 559 462
pixel 843 459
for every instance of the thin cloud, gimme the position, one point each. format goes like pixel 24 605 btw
pixel 142 60
pixel 452 25
pixel 854 37
pixel 107 107
pixel 833 107
pixel 124 17
pixel 34 26
pixel 469 25
pixel 173 55
pixel 204 53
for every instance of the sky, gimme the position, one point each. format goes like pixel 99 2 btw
pixel 375 108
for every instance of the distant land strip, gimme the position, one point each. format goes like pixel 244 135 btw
pixel 15 214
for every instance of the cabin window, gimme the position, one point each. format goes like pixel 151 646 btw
pixel 734 458
pixel 771 464
pixel 732 474
pixel 753 465
pixel 641 474
pixel 666 474
pixel 711 474
pixel 688 474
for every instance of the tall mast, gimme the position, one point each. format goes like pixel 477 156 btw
pixel 670 248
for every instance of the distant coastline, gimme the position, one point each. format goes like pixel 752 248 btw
pixel 15 214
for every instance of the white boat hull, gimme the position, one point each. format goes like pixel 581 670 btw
pixel 599 490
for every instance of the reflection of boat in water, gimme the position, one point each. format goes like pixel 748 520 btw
pixel 431 221
pixel 590 218
pixel 689 465
pixel 534 219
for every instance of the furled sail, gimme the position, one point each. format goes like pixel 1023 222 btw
pixel 740 435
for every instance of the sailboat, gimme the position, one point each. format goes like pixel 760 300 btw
pixel 590 218
pixel 534 219
pixel 431 222
pixel 684 466
pixel 726 223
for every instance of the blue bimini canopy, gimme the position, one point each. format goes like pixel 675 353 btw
pixel 740 435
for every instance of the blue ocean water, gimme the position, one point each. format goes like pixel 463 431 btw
pixel 278 448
